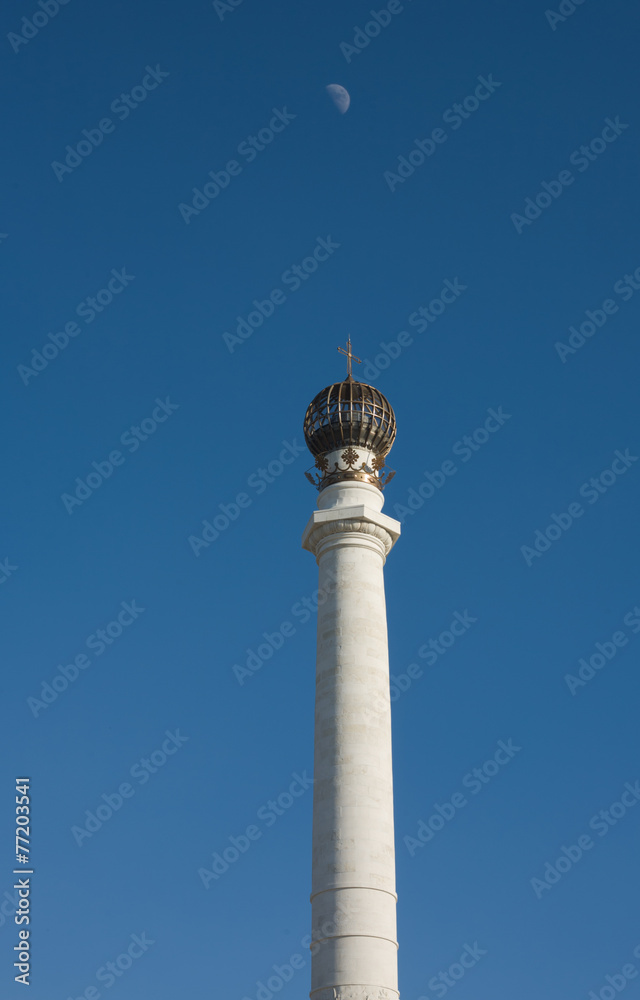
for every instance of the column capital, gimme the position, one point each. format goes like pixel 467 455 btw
pixel 358 519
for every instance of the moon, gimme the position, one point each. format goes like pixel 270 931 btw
pixel 339 96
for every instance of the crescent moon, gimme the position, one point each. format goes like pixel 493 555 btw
pixel 339 96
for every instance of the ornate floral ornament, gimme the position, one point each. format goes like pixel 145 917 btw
pixel 350 470
pixel 350 457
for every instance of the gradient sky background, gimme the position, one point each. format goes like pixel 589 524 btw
pixel 461 551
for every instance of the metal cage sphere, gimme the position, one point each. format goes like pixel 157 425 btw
pixel 349 413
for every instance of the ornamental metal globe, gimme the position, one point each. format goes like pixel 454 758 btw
pixel 349 413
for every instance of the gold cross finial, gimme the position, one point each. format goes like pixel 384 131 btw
pixel 349 357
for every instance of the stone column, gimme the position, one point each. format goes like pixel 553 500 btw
pixel 354 946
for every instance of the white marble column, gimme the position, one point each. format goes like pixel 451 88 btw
pixel 354 949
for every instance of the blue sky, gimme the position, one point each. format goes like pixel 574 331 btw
pixel 127 359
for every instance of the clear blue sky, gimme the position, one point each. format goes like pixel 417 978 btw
pixel 104 222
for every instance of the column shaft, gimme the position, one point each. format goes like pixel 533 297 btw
pixel 354 955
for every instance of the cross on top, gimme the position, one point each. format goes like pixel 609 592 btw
pixel 349 357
